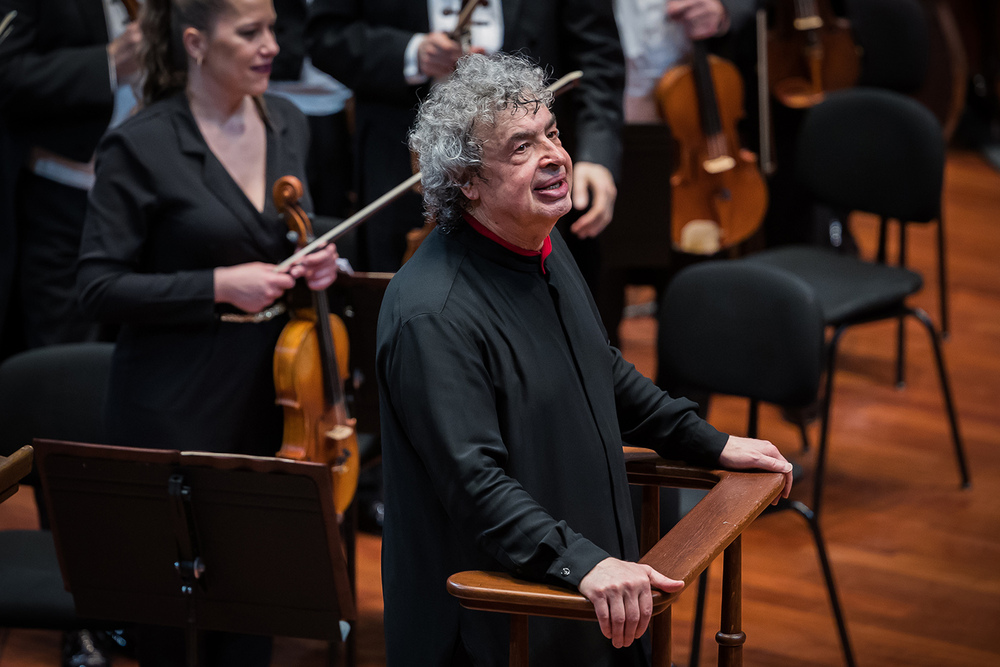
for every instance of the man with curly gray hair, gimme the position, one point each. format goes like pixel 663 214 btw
pixel 503 406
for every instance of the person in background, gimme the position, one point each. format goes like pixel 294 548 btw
pixel 389 52
pixel 656 35
pixel 67 71
pixel 324 101
pixel 179 249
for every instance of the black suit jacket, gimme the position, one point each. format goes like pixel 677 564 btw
pixel 361 42
pixel 162 215
pixel 55 92
pixel 55 84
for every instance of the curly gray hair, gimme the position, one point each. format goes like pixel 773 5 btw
pixel 445 135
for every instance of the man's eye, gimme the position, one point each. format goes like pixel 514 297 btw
pixel 521 148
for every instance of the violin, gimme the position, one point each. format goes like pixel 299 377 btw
pixel 810 51
pixel 310 366
pixel 719 197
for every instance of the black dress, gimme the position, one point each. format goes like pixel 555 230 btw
pixel 163 214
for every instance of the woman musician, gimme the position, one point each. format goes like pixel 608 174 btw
pixel 181 238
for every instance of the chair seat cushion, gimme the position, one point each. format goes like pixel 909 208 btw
pixel 848 289
pixel 32 594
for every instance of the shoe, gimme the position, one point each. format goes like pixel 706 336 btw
pixel 81 649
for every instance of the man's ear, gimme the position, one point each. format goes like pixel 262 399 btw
pixel 471 189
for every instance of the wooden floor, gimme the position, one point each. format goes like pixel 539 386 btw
pixel 916 558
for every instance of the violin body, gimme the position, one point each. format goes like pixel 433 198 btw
pixel 716 182
pixel 810 51
pixel 310 366
pixel 314 431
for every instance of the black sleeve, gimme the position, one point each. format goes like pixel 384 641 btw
pixel 649 417
pixel 112 285
pixel 593 46
pixel 443 396
pixel 366 57
pixel 56 84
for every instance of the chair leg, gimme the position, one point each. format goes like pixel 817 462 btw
pixel 831 587
pixel 942 279
pixel 699 619
pixel 803 431
pixel 901 322
pixel 956 437
pixel 883 228
pixel 824 427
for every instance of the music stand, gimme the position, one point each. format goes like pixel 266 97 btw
pixel 196 540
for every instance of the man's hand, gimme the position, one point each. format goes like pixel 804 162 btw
pixel 701 18
pixel 622 597
pixel 593 186
pixel 437 55
pixel 125 51
pixel 747 453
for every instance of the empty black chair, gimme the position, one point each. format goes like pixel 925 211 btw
pixel 51 392
pixel 859 150
pixel 881 152
pixel 754 331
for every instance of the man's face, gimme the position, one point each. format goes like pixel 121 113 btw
pixel 526 176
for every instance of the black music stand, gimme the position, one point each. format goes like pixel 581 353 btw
pixel 198 541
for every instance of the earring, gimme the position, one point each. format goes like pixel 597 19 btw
pixel 199 60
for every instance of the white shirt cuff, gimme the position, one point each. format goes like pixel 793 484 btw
pixel 411 63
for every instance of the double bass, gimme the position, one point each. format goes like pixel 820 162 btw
pixel 310 366
pixel 719 196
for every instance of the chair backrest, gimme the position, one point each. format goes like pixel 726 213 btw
pixel 54 392
pixel 894 37
pixel 743 329
pixel 873 150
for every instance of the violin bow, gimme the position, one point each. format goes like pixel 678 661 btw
pixel 563 85
pixel 7 25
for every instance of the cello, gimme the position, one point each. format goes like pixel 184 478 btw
pixel 310 366
pixel 810 51
pixel 719 196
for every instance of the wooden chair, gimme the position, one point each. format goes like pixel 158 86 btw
pixel 713 527
pixel 13 469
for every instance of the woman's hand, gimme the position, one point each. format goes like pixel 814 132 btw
pixel 251 287
pixel 319 268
